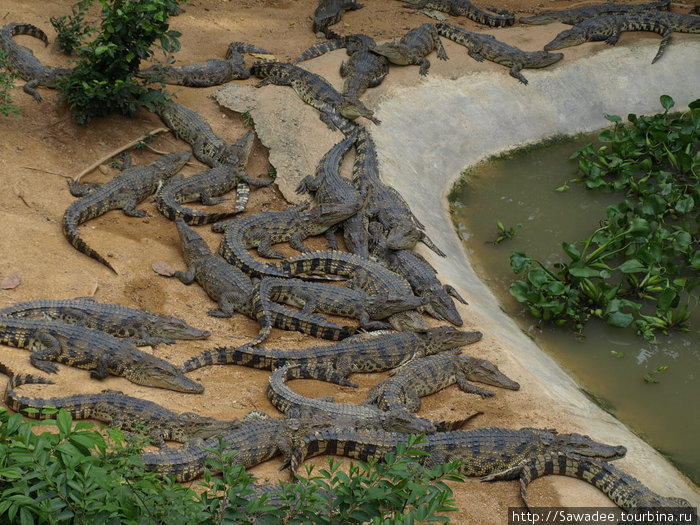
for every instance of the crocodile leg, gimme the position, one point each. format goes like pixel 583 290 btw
pixel 51 350
pixel 265 250
pixel 129 205
pixel 29 89
pixel 450 290
pixel 467 387
pixel 439 49
pixel 185 277
pixel 78 190
pixel 515 72
pixel 296 241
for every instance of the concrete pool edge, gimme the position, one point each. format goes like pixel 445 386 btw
pixel 564 101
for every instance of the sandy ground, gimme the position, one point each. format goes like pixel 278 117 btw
pixel 44 147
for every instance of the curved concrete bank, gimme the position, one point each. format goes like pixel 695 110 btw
pixel 464 112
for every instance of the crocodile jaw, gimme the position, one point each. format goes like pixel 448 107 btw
pixel 568 38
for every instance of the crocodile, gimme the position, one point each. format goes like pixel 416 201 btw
pixel 422 377
pixel 234 291
pixel 124 191
pixel 482 46
pixel 114 408
pixel 91 350
pixel 262 230
pixel 312 89
pixel 190 126
pixel 383 203
pixel 501 18
pixel 140 327
pixel 212 72
pixel 420 274
pixel 207 185
pixel 363 70
pixel 481 451
pixel 329 12
pixel 363 353
pixel 609 27
pixel 328 187
pixel 363 274
pixel 413 47
pixel 22 61
pixel 579 14
pixel 339 300
pixel 285 399
pixel 624 490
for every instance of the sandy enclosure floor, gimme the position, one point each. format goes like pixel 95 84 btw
pixel 45 147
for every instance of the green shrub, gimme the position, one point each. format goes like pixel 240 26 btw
pixel 71 29
pixel 647 250
pixel 103 78
pixel 76 475
pixel 7 84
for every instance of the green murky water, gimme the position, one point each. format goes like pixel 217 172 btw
pixel 520 190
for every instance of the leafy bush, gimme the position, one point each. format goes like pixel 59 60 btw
pixel 103 79
pixel 7 84
pixel 76 475
pixel 646 250
pixel 71 28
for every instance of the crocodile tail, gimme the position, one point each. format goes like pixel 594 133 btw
pixel 17 402
pixel 190 216
pixel 320 49
pixel 71 219
pixel 19 28
pixel 242 47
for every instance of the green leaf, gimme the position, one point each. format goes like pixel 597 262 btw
pixel 64 421
pixel 620 319
pixel 537 277
pixel 667 102
pixel 686 205
pixel 583 271
pixel 571 250
pixel 519 290
pixel 613 118
pixel 632 266
pixel 666 300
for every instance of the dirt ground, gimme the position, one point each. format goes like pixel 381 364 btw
pixel 45 147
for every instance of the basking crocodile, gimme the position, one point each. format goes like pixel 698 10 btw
pixel 234 291
pixel 481 451
pixel 383 203
pixel 124 191
pixel 325 298
pixel 92 350
pixel 207 185
pixel 420 274
pixel 116 409
pixel 312 89
pixel 624 490
pixel 190 126
pixel 329 12
pixel 363 274
pixel 609 27
pixel 501 18
pixel 285 399
pixel 425 376
pixel 212 72
pixel 579 14
pixel 22 60
pixel 364 353
pixel 262 230
pixel 413 47
pixel 481 46
pixel 328 187
pixel 140 327
pixel 363 70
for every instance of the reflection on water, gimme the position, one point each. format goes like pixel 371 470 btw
pixel 609 363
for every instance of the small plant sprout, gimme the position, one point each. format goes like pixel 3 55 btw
pixel 506 233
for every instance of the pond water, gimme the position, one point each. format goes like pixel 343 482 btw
pixel 608 363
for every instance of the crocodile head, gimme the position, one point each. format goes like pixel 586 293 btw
pixel 168 165
pixel 568 38
pixel 382 306
pixel 351 108
pixel 444 338
pixel 168 327
pixel 544 59
pixel 442 305
pixel 580 444
pixel 486 372
pixel 403 236
pixel 401 420
pixel 396 52
pixel 157 373
pixel 324 216
pixel 190 426
pixel 193 246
